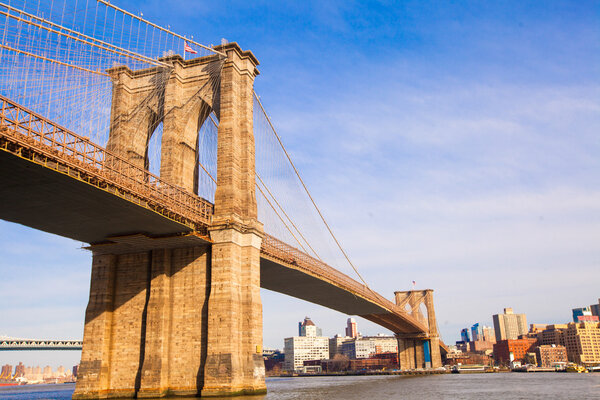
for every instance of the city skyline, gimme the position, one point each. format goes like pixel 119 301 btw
pixel 471 130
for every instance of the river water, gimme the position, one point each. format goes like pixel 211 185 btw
pixel 499 386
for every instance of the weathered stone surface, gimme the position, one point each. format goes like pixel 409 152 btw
pixel 182 321
pixel 145 332
pixel 235 309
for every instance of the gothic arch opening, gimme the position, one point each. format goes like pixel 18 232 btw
pixel 423 314
pixel 153 150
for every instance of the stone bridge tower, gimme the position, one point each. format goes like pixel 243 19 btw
pixel 420 350
pixel 183 319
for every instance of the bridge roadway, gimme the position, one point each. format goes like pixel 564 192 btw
pixel 58 182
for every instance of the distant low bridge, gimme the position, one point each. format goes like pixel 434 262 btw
pixel 32 344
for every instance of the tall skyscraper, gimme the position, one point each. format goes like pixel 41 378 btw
pixel 509 325
pixel 477 332
pixel 464 335
pixel 351 330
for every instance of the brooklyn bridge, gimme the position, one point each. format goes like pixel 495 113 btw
pixel 155 151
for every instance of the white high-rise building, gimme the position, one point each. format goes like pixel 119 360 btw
pixel 367 346
pixel 306 347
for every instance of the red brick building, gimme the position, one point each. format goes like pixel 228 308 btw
pixel 550 355
pixel 518 347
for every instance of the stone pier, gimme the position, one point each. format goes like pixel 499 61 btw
pixel 181 320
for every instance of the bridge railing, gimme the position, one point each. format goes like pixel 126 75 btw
pixel 277 249
pixel 97 166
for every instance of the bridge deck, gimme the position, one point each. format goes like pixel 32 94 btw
pixel 58 182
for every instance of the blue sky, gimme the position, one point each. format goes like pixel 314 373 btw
pixel 451 143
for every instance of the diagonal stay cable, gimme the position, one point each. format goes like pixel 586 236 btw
pixel 308 193
pixel 270 204
pixel 287 216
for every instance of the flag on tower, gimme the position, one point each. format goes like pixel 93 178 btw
pixel 189 49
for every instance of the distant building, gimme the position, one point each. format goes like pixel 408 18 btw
pixel 537 328
pixel 467 358
pixel 335 345
pixel 584 314
pixel 508 350
pixel 48 372
pixel 75 370
pixel 6 372
pixel 553 334
pixel 595 308
pixel 273 361
pixel 550 355
pixel 20 370
pixel 477 332
pixel 582 341
pixel 306 347
pixel 509 325
pixel 351 329
pixel 480 346
pixel 488 334
pixel 464 335
pixel 462 346
pixel 308 328
pixel 368 346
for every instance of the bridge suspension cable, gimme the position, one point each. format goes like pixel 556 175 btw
pixel 320 214
pixel 54 57
pixel 106 3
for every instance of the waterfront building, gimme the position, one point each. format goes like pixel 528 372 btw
pixel 306 347
pixel 464 335
pixel 48 372
pixel 351 328
pixel 508 350
pixel 273 361
pixel 335 345
pixel 6 372
pixel 19 370
pixel 582 341
pixel 550 355
pixel 367 346
pixel 509 325
pixel 481 346
pixel 467 358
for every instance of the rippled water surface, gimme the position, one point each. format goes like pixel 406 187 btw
pixel 476 386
